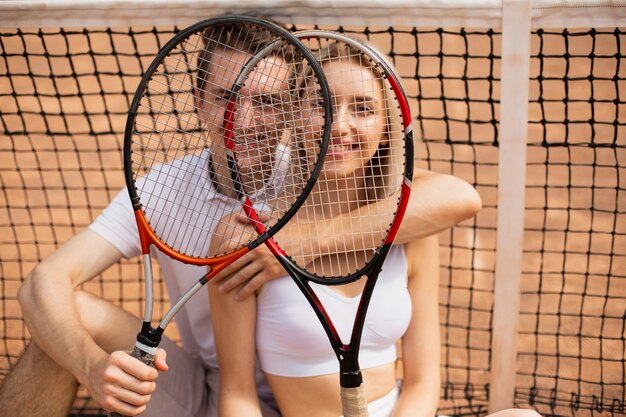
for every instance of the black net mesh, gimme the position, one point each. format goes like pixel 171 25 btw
pixel 63 101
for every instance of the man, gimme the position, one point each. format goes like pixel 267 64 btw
pixel 81 339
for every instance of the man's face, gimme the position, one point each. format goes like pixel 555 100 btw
pixel 258 119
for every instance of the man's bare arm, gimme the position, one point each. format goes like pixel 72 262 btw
pixel 65 326
pixel 437 202
pixel 47 297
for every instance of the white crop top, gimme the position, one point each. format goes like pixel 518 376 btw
pixel 291 341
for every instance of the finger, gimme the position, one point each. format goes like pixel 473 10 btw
pixel 134 367
pixel 240 277
pixel 160 362
pixel 132 398
pixel 251 287
pixel 119 381
pixel 263 217
pixel 123 408
pixel 231 269
pixel 270 272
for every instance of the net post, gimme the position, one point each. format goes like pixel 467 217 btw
pixel 515 70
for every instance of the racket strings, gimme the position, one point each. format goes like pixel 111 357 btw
pixel 167 112
pixel 180 130
pixel 364 164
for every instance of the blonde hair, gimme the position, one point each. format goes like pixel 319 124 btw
pixel 384 174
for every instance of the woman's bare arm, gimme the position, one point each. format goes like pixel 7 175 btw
pixel 437 202
pixel 234 326
pixel 420 345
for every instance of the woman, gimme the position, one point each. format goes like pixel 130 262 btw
pixel 303 376
pixel 293 349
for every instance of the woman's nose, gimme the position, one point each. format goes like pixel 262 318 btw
pixel 341 120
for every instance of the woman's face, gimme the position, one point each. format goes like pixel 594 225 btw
pixel 359 118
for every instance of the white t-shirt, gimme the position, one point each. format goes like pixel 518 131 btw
pixel 196 199
pixel 118 226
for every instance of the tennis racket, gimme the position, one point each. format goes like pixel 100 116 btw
pixel 369 159
pixel 213 130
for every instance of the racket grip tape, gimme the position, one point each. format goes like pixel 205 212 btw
pixel 353 402
pixel 144 354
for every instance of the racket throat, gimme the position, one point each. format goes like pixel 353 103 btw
pixel 350 375
pixel 148 336
pixel 350 379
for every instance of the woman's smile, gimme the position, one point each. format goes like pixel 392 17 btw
pixel 339 149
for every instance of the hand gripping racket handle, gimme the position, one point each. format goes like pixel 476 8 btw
pixel 353 402
pixel 146 355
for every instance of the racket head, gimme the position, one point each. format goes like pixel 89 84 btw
pixel 222 89
pixel 369 159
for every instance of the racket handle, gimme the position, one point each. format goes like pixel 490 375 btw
pixel 144 356
pixel 353 403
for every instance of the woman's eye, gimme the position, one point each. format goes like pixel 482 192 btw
pixel 364 109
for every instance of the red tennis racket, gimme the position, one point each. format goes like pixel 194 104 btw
pixel 369 158
pixel 213 129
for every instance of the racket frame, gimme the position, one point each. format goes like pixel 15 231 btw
pixel 150 337
pixel 351 378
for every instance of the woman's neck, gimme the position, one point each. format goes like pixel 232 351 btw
pixel 331 197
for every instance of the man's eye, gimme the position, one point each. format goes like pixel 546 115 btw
pixel 268 100
pixel 222 95
pixel 217 98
